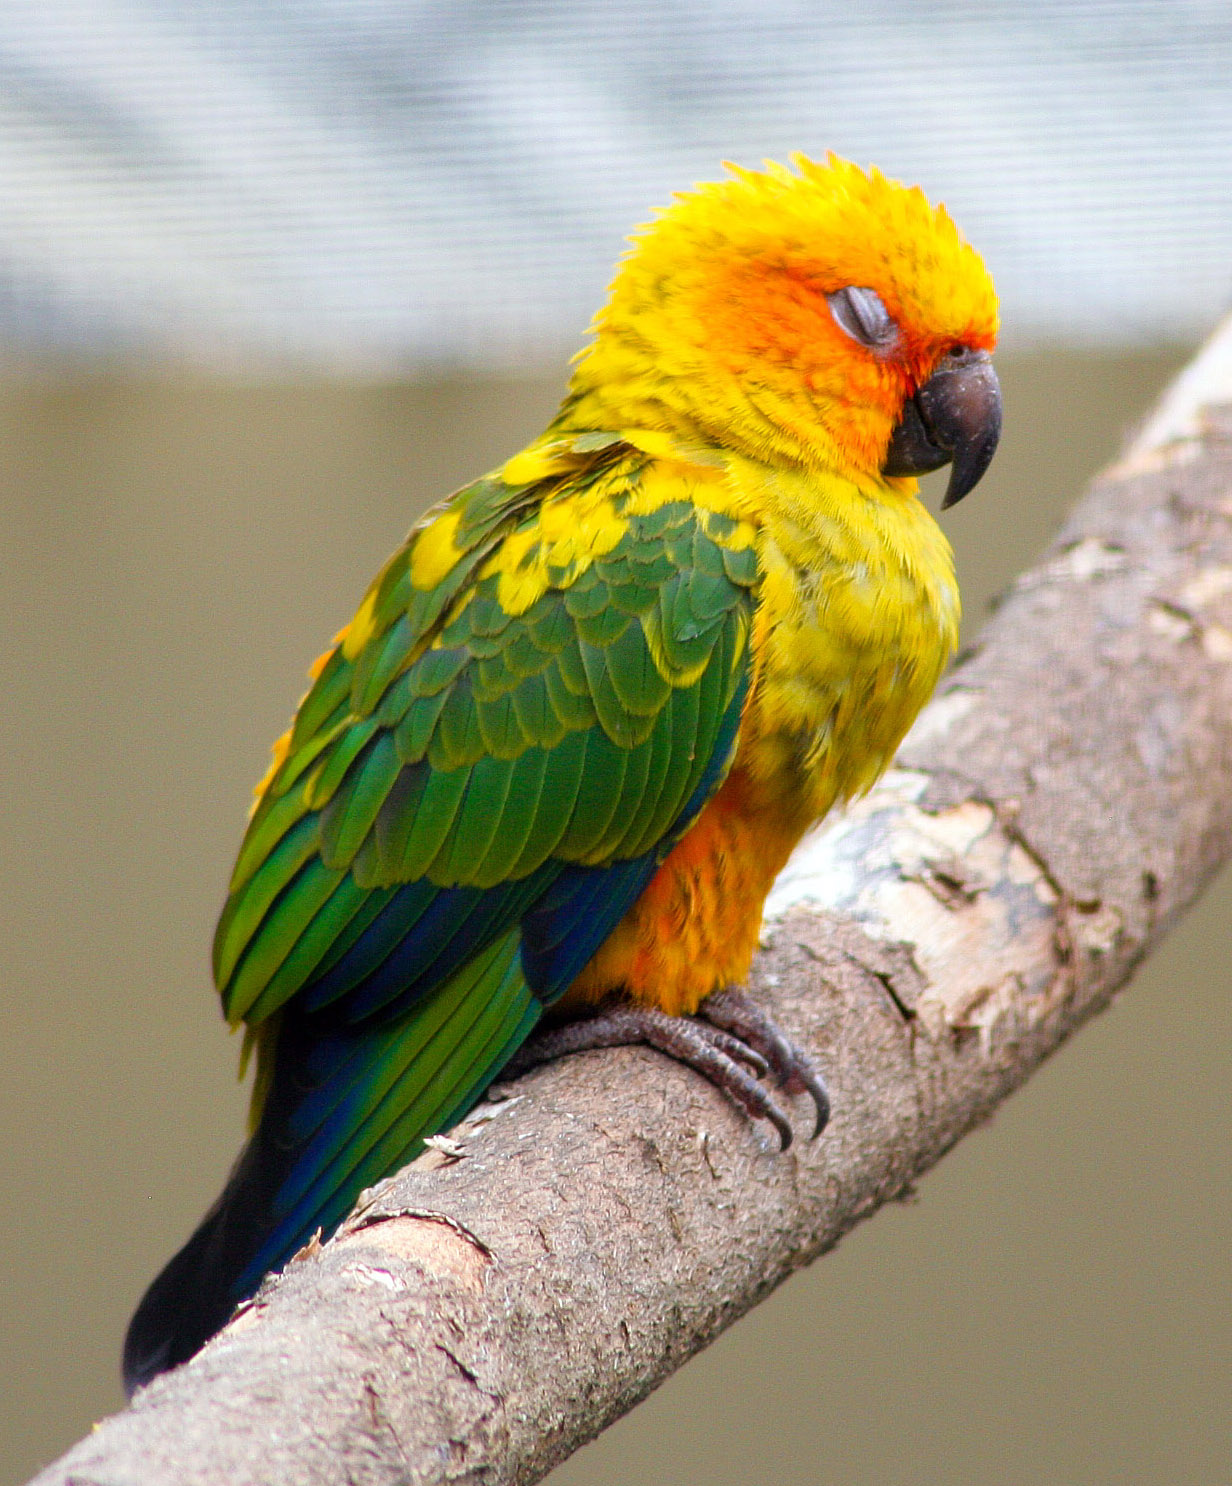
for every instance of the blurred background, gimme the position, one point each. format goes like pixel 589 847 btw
pixel 273 276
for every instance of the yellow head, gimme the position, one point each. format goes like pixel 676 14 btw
pixel 728 321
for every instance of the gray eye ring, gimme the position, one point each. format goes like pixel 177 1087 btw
pixel 859 313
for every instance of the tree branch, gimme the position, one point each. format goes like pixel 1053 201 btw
pixel 1056 808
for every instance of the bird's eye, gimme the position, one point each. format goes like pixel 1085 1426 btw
pixel 861 315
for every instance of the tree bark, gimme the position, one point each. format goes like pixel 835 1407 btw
pixel 1058 805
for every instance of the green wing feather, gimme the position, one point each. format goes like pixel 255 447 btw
pixel 486 770
pixel 467 745
pixel 462 746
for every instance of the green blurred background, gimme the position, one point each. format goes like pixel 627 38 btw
pixel 1055 1306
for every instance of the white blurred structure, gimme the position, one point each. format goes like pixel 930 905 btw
pixel 387 184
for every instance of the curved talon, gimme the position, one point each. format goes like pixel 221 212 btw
pixel 685 1040
pixel 815 1087
pixel 756 1101
pixel 731 1043
pixel 738 1014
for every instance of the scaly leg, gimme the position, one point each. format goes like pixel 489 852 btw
pixel 737 1013
pixel 729 1036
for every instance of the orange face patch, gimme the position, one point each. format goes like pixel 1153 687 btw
pixel 718 322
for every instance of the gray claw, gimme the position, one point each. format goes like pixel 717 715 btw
pixel 738 1014
pixel 731 1042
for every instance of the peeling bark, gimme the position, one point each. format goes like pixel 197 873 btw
pixel 535 1274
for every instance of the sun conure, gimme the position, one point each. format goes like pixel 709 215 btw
pixel 589 706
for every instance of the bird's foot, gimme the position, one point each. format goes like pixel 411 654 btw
pixel 731 1042
pixel 794 1071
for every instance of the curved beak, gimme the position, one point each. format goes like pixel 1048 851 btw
pixel 955 418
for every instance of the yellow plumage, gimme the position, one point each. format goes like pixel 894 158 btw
pixel 717 356
pixel 587 709
pixel 718 344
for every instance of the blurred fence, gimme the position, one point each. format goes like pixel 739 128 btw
pixel 384 184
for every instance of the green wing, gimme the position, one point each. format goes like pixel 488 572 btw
pixel 537 696
pixel 449 767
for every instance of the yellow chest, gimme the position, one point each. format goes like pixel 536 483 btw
pixel 857 616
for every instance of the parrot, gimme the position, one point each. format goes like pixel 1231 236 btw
pixel 540 786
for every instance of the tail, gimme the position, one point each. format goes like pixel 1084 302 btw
pixel 346 1106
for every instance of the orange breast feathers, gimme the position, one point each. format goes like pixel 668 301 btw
pixel 695 927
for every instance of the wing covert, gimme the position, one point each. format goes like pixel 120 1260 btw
pixel 551 701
